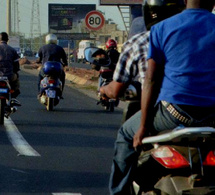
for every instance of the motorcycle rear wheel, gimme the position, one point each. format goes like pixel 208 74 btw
pixel 112 105
pixel 50 104
pixel 2 110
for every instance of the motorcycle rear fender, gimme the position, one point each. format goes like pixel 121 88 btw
pixel 44 82
pixel 177 185
pixel 178 134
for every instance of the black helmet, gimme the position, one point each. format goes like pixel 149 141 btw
pixel 4 36
pixel 155 11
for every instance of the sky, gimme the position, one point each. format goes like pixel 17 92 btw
pixel 25 9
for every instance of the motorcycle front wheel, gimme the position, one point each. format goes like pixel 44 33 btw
pixel 50 104
pixel 2 110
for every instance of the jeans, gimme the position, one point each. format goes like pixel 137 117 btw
pixel 125 157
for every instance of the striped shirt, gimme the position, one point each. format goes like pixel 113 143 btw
pixel 132 62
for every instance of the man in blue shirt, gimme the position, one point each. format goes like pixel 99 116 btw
pixel 125 157
pixel 181 52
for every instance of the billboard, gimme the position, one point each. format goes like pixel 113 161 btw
pixel 121 2
pixel 68 18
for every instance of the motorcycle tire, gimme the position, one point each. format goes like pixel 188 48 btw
pixel 2 110
pixel 112 105
pixel 50 104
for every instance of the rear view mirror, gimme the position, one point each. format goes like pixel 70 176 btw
pixel 88 53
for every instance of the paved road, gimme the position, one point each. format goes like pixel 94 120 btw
pixel 68 150
pixel 72 64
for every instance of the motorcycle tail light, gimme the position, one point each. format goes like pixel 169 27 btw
pixel 3 84
pixel 169 157
pixel 210 159
pixel 51 81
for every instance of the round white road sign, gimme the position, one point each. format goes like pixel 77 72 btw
pixel 94 20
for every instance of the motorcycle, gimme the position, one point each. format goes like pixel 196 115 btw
pixel 50 85
pixel 100 61
pixel 177 162
pixel 132 97
pixel 8 105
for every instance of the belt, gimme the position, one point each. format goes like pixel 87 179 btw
pixel 170 108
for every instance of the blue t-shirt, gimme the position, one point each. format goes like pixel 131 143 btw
pixel 185 45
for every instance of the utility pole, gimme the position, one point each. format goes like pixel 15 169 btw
pixel 35 27
pixel 9 17
pixel 15 14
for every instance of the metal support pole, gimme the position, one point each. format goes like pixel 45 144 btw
pixel 9 17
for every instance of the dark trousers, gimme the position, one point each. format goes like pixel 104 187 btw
pixel 15 85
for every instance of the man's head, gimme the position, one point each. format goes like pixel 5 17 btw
pixel 4 36
pixel 111 43
pixel 51 38
pixel 204 4
pixel 155 11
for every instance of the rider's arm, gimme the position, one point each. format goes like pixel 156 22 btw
pixel 113 89
pixel 64 58
pixel 16 66
pixel 150 91
pixel 40 56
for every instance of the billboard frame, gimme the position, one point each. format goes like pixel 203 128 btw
pixel 121 2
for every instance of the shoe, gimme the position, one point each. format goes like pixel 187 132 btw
pixel 38 96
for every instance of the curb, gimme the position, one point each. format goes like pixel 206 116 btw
pixel 70 77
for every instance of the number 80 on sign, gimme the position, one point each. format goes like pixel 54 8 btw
pixel 94 20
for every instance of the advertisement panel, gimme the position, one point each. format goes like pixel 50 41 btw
pixel 68 18
pixel 121 2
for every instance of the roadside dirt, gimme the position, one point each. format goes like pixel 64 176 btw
pixel 91 75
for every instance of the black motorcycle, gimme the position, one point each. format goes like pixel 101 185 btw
pixel 100 61
pixel 8 105
pixel 177 162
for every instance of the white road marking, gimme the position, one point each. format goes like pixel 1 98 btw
pixel 17 140
pixel 66 193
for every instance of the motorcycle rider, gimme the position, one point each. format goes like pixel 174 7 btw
pixel 9 64
pixel 187 94
pixel 125 155
pixel 130 67
pixel 51 52
pixel 111 46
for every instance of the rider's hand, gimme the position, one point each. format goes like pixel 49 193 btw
pixel 102 90
pixel 137 139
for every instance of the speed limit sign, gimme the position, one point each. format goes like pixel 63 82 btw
pixel 94 20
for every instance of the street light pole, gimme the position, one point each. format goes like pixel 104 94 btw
pixel 9 17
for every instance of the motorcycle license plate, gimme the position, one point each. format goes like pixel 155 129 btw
pixel 51 93
pixel 3 90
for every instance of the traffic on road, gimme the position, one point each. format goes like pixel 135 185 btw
pixel 65 151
